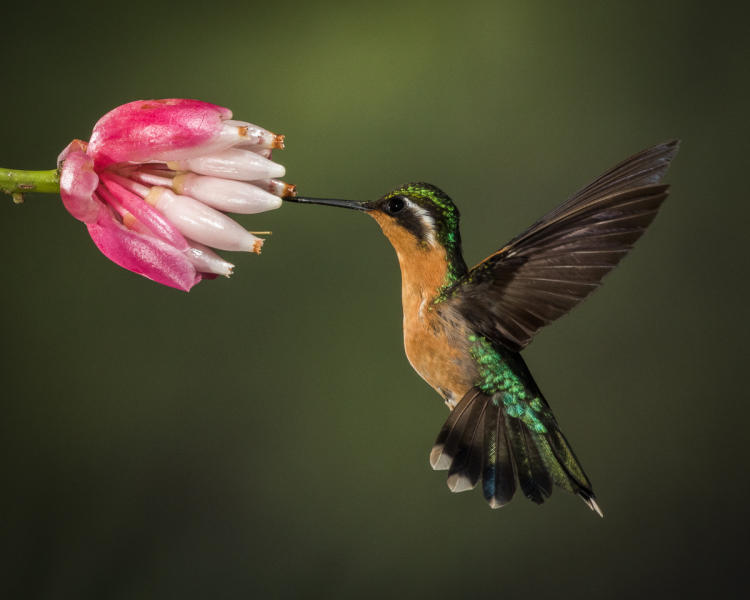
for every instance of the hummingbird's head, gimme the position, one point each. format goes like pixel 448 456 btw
pixel 421 222
pixel 415 215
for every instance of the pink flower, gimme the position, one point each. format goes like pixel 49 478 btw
pixel 153 183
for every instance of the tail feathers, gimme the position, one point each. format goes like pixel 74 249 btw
pixel 499 476
pixel 481 441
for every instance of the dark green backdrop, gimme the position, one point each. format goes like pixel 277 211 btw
pixel 265 437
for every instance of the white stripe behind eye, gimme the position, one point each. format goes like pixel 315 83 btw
pixel 428 223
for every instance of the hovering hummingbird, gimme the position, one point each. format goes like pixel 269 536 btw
pixel 464 328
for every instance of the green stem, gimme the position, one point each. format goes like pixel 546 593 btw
pixel 16 182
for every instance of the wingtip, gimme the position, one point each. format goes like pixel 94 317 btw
pixel 672 146
pixel 660 158
pixel 665 153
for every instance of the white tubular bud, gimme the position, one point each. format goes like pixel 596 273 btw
pixel 264 152
pixel 231 133
pixel 202 223
pixel 233 163
pixel 225 194
pixel 276 187
pixel 252 134
pixel 206 260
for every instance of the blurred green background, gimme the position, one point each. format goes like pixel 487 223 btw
pixel 265 437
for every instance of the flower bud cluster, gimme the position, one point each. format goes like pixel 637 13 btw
pixel 156 178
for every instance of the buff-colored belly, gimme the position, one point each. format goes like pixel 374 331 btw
pixel 438 357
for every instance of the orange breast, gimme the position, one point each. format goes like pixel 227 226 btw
pixel 435 342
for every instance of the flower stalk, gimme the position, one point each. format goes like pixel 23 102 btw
pixel 17 182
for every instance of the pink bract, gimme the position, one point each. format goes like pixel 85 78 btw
pixel 143 254
pixel 78 182
pixel 141 130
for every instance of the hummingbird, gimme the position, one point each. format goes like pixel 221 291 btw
pixel 464 328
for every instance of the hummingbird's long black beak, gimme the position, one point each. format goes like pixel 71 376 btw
pixel 329 202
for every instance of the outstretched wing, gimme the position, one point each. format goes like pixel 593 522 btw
pixel 558 261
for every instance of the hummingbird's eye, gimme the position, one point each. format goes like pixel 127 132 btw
pixel 395 204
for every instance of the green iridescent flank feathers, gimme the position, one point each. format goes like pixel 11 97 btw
pixel 446 217
pixel 498 380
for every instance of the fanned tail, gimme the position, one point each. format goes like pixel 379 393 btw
pixel 480 440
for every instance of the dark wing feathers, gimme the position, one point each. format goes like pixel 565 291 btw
pixel 548 269
pixel 645 168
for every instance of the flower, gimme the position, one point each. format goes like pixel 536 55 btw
pixel 153 183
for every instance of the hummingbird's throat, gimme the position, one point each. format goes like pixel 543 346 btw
pixel 424 266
